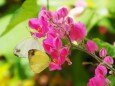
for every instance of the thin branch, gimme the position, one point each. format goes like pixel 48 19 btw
pixel 95 57
pixel 47 4
pixel 92 55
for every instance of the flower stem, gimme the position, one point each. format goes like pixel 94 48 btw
pixel 92 55
pixel 47 4
pixel 95 57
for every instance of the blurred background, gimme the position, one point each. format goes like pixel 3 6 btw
pixel 97 15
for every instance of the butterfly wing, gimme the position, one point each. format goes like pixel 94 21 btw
pixel 38 60
pixel 21 50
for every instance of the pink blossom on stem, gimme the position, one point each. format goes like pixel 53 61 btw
pixel 40 27
pixel 63 12
pixel 67 28
pixel 100 70
pixel 61 32
pixel 109 60
pixel 34 23
pixel 69 20
pixel 57 62
pixel 43 8
pixel 97 81
pixel 57 19
pixel 102 52
pixel 64 52
pixel 51 44
pixel 54 66
pixel 91 47
pixel 45 14
pixel 57 43
pixel 78 32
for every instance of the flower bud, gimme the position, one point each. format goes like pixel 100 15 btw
pixel 108 82
pixel 102 52
pixel 63 12
pixel 97 81
pixel 45 14
pixel 108 60
pixel 100 70
pixel 91 46
pixel 69 20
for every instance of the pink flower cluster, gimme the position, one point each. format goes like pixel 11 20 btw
pixel 99 78
pixel 101 71
pixel 106 59
pixel 56 26
pixel 53 46
pixel 91 47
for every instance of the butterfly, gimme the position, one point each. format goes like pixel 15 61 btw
pixel 38 60
pixel 30 48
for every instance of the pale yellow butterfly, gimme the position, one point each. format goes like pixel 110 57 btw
pixel 38 60
pixel 31 48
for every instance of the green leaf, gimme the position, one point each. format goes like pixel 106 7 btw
pixel 94 20
pixel 111 7
pixel 4 22
pixel 28 10
pixel 10 40
pixel 110 48
pixel 112 79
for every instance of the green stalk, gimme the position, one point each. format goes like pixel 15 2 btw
pixel 95 57
pixel 92 55
pixel 47 4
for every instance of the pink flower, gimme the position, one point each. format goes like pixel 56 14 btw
pixel 109 60
pixel 102 52
pixel 57 62
pixel 54 66
pixel 40 27
pixel 63 12
pixel 51 44
pixel 33 23
pixel 64 52
pixel 57 43
pixel 78 32
pixel 61 56
pixel 97 81
pixel 91 47
pixel 100 70
pixel 51 34
pixel 45 14
pixel 57 18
